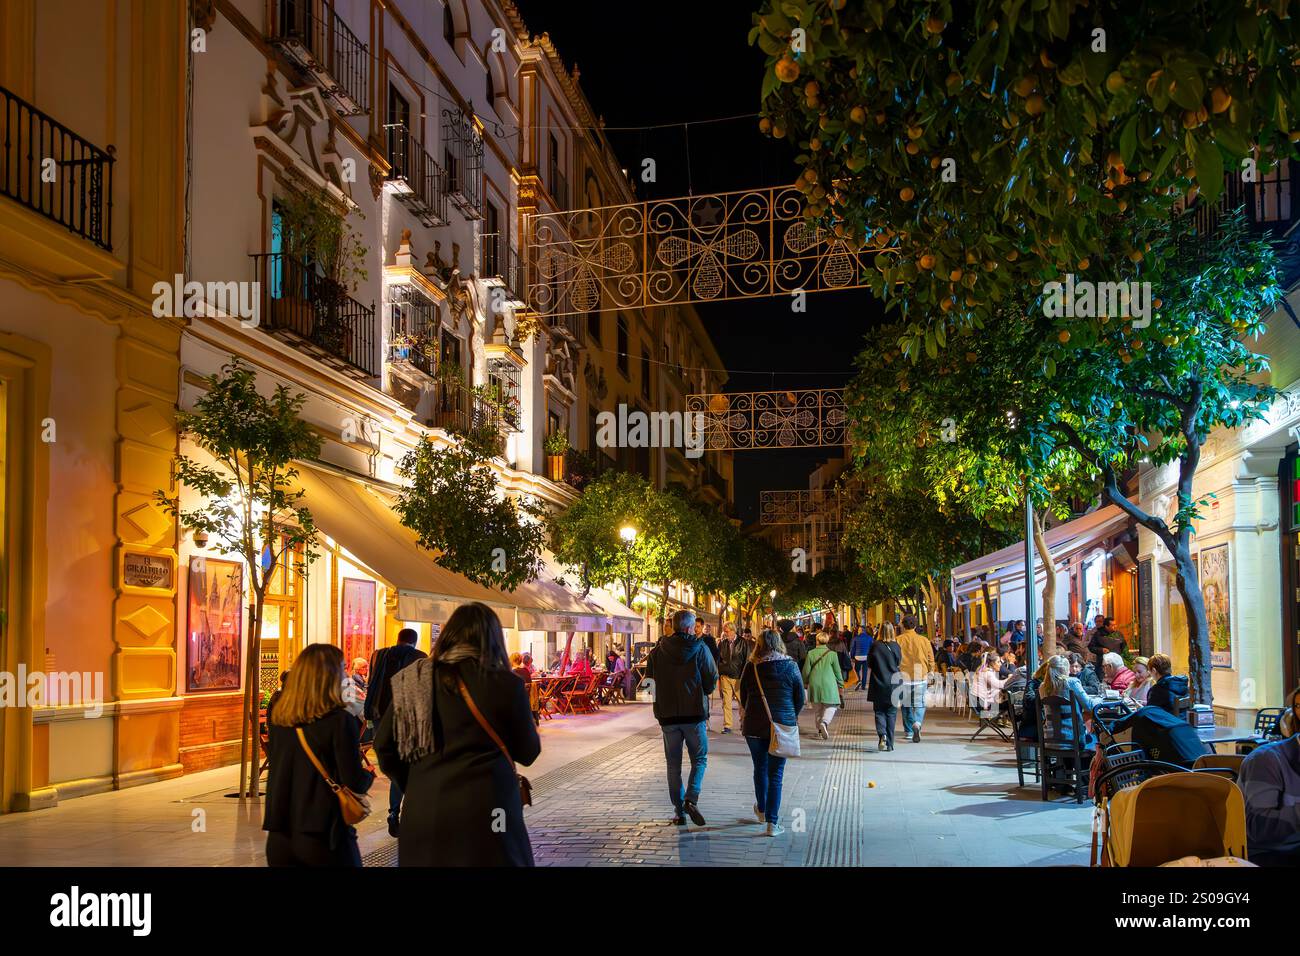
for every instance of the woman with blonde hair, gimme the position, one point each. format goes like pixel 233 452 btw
pixel 822 675
pixel 304 824
pixel 1057 682
pixel 884 667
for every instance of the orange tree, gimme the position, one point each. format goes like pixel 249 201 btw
pixel 995 144
pixel 1074 404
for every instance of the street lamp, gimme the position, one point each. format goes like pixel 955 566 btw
pixel 628 534
pixel 772 597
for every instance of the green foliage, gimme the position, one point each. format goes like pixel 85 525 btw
pixel 315 230
pixel 452 502
pixel 556 443
pixel 249 500
pixel 1070 146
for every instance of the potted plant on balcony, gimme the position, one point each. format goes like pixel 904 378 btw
pixel 556 444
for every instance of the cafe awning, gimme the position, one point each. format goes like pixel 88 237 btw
pixel 546 604
pixel 357 515
pixel 622 619
pixel 1006 568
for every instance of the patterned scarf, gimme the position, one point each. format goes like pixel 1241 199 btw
pixel 413 703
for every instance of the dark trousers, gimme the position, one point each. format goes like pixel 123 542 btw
pixel 885 720
pixel 310 849
pixel 860 668
pixel 768 773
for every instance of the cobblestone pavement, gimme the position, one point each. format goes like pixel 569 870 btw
pixel 946 801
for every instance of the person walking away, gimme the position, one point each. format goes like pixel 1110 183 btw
pixel 385 664
pixel 822 674
pixel 839 645
pixel 458 723
pixel 860 650
pixel 885 666
pixel 917 665
pixel 303 821
pixel 769 675
pixel 795 647
pixel 684 675
pixel 733 653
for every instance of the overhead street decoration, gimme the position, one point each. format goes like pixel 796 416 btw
pixel 709 248
pixel 799 418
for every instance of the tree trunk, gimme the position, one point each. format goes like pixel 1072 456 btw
pixel 1198 626
pixel 249 749
pixel 1049 588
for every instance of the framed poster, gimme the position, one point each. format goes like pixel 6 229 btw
pixel 1218 603
pixel 214 625
pixel 357 620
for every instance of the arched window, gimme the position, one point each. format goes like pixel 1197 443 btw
pixel 448 24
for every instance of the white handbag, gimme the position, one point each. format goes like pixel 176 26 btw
pixel 785 737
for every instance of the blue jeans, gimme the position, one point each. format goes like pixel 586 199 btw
pixel 860 668
pixel 768 771
pixel 913 706
pixel 394 800
pixel 696 739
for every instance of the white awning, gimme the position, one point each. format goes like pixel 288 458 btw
pixel 622 619
pixel 1007 566
pixel 546 604
pixel 358 515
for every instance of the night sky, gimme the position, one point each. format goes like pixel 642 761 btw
pixel 689 61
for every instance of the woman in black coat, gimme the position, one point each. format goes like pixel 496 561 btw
pixel 770 670
pixel 884 662
pixel 303 821
pixel 462 805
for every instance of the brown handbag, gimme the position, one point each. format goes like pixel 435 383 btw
pixel 525 788
pixel 355 806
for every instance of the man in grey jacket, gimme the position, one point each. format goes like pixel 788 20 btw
pixel 684 675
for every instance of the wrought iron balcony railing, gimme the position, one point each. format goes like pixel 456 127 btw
pixel 413 333
pixel 53 171
pixel 499 264
pixel 463 154
pixel 1269 201
pixel 315 313
pixel 457 410
pixel 418 181
pixel 315 37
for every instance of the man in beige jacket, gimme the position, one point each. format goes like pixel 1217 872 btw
pixel 916 666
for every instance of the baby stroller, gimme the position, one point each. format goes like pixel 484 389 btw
pixel 1148 813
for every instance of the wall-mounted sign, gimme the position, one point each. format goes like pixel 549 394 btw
pixel 147 570
pixel 1146 606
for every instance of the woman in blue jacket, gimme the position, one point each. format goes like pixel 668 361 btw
pixel 772 674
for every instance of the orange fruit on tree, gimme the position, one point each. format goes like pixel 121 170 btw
pixel 1220 99
pixel 858 114
pixel 926 261
pixel 1035 104
pixel 934 25
pixel 1063 336
pixel 912 149
pixel 1025 85
pixel 1115 81
pixel 811 89
pixel 955 275
pixel 787 70
pixel 906 193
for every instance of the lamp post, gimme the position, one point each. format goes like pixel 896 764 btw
pixel 628 534
pixel 772 598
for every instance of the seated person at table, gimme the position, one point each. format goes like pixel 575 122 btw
pixel 1028 729
pixel 1163 736
pixel 1142 682
pixel 1017 680
pixel 1007 665
pixel 1118 676
pixel 1167 688
pixel 1057 682
pixel 944 657
pixel 1270 781
pixel 1087 676
pixel 986 684
pixel 527 660
pixel 517 667
pixel 581 666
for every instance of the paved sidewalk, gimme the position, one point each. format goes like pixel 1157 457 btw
pixel 600 799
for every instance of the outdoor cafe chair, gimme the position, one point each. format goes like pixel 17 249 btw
pixel 1230 762
pixel 990 718
pixel 1026 750
pixel 582 695
pixel 1266 728
pixel 1063 759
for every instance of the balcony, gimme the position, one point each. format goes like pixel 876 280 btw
pixel 54 172
pixel 315 314
pixel 499 266
pixel 315 37
pixel 463 154
pixel 458 410
pixel 714 482
pixel 414 330
pixel 1270 207
pixel 418 182
pixel 581 468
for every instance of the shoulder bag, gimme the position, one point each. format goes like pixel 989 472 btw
pixel 355 806
pixel 785 737
pixel 525 788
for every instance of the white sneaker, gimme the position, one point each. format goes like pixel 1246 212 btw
pixel 758 814
pixel 775 829
pixel 822 731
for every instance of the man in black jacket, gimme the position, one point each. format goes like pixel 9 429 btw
pixel 733 651
pixel 684 675
pixel 384 663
